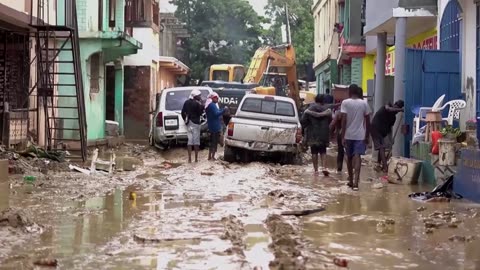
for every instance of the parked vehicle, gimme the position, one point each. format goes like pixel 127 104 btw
pixel 264 125
pixel 230 93
pixel 168 126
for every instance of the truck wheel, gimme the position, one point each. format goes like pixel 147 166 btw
pixel 229 154
pixel 246 156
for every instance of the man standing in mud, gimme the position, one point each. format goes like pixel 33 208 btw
pixel 315 121
pixel 382 124
pixel 191 113
pixel 355 131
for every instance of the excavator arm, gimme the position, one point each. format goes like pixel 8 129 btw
pixel 280 59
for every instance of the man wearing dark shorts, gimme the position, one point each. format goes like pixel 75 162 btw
pixel 315 122
pixel 355 129
pixel 382 124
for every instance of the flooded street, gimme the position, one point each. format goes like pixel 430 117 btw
pixel 214 215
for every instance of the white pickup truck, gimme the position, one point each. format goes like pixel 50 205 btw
pixel 263 125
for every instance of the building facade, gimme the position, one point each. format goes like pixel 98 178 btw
pixel 141 69
pixel 105 40
pixel 326 42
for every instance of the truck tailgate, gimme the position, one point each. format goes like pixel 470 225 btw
pixel 264 131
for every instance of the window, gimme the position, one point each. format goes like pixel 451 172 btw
pixel 238 74
pixel 175 99
pixel 220 75
pixel 156 11
pixel 95 73
pixel 256 105
pixel 112 12
pixel 139 8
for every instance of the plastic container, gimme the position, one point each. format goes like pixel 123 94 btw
pixel 29 178
pixel 436 135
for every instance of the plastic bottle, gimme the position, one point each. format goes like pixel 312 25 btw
pixel 436 135
pixel 29 178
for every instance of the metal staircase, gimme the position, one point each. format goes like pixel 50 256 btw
pixel 59 84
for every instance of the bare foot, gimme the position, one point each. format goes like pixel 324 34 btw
pixel 316 173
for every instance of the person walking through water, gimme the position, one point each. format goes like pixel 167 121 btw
pixel 355 131
pixel 214 115
pixel 382 124
pixel 336 129
pixel 315 121
pixel 191 112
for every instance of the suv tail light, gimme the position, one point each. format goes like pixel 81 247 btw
pixel 159 120
pixel 298 136
pixel 230 128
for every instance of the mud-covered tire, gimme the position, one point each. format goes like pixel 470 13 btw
pixel 229 154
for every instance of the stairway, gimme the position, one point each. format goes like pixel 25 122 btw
pixel 59 86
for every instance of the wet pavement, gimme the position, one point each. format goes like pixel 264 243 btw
pixel 213 215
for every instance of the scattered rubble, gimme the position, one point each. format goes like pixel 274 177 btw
pixel 421 209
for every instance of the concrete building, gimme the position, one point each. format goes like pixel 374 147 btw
pixel 104 42
pixel 141 69
pixel 326 41
pixel 394 23
pixel 458 24
pixel 172 69
pixel 352 43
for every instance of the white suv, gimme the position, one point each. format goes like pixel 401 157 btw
pixel 168 126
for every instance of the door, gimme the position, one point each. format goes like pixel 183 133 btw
pixel 428 75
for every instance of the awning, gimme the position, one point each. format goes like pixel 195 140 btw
pixel 173 65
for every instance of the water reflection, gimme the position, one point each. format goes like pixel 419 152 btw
pixel 352 229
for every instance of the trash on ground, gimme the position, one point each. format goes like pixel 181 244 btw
pixel 377 185
pixel 340 262
pixel 441 193
pixel 207 173
pixel 46 262
pixel 421 209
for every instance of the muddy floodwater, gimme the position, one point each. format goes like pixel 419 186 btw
pixel 214 215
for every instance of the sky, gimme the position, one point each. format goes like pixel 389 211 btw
pixel 258 5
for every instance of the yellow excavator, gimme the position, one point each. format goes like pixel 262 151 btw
pixel 275 70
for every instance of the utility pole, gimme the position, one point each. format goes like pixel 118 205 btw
pixel 289 36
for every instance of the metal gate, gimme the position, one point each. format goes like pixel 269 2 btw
pixel 428 75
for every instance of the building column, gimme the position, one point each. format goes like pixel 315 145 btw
pixel 119 92
pixel 399 85
pixel 379 95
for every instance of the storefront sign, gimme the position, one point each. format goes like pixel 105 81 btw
pixel 427 40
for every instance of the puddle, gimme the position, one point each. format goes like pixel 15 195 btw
pixel 350 229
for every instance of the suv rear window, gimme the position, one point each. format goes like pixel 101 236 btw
pixel 176 98
pixel 257 105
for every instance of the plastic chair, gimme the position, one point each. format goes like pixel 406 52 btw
pixel 422 111
pixel 454 111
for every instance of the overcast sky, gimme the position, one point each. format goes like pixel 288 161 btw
pixel 258 5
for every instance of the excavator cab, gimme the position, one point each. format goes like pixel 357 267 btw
pixel 226 73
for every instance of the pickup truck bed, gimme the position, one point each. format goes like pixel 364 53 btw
pixel 252 130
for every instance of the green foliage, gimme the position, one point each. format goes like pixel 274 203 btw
pixel 450 131
pixel 222 31
pixel 301 26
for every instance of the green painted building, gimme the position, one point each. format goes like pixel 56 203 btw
pixel 104 41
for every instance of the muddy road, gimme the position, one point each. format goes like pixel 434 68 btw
pixel 212 215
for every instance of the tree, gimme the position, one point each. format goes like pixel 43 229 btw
pixel 301 28
pixel 222 31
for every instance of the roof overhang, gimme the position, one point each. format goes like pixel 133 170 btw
pixel 418 21
pixel 173 65
pixel 14 17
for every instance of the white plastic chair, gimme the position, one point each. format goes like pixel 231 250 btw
pixel 423 110
pixel 454 111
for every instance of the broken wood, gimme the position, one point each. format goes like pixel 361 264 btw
pixel 299 213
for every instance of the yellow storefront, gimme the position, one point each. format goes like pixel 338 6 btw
pixel 427 40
